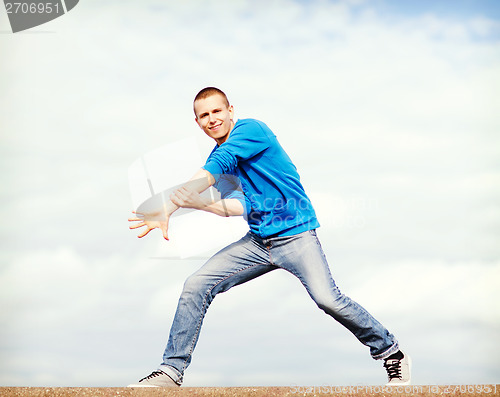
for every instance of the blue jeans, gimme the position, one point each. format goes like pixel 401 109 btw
pixel 252 257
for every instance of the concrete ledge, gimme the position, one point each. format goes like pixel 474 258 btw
pixel 305 391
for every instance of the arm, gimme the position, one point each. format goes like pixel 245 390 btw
pixel 186 198
pixel 200 182
pixel 226 207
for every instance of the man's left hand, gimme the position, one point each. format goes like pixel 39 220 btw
pixel 186 198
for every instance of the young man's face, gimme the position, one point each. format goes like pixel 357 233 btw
pixel 214 117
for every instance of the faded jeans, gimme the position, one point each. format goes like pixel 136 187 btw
pixel 249 258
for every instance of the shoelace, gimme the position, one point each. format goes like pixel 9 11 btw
pixel 393 368
pixel 154 374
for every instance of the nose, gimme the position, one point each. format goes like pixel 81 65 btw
pixel 211 118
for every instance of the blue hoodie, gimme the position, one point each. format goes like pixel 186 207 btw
pixel 274 200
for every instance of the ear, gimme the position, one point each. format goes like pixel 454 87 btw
pixel 231 111
pixel 196 120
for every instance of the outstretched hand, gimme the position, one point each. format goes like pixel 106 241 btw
pixel 188 196
pixel 150 221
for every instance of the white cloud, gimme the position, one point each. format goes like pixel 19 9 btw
pixel 452 290
pixel 399 113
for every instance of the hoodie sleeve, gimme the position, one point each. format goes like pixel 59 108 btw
pixel 246 140
pixel 230 188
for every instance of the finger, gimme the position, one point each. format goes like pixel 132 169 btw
pixel 176 200
pixel 165 233
pixel 180 194
pixel 187 194
pixel 144 233
pixel 188 190
pixel 164 230
pixel 138 217
pixel 137 225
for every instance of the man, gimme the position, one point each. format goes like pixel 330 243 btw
pixel 282 235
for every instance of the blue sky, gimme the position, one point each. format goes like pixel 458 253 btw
pixel 441 8
pixel 389 113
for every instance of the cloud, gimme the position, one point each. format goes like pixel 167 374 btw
pixel 390 119
pixel 91 309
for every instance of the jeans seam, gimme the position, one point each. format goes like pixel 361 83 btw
pixel 193 343
pixel 271 256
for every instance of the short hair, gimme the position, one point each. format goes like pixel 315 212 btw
pixel 208 92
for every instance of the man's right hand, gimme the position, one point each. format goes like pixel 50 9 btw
pixel 150 221
pixel 200 182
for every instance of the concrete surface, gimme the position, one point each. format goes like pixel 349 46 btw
pixel 305 391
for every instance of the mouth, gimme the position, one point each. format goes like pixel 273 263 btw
pixel 215 127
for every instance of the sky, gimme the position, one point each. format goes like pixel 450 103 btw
pixel 388 109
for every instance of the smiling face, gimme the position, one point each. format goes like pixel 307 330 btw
pixel 215 117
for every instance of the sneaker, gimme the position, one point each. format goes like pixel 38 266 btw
pixel 398 367
pixel 156 379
